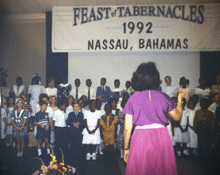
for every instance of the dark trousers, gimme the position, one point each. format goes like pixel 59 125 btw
pixel 109 152
pixel 60 141
pixel 204 133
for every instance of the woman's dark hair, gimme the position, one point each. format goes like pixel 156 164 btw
pixel 146 77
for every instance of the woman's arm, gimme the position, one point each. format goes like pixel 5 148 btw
pixel 128 125
pixel 177 112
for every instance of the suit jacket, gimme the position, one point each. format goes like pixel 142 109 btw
pixel 72 118
pixel 107 93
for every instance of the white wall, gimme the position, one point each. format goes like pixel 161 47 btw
pixel 122 65
pixel 23 48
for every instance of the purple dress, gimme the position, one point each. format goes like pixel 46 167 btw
pixel 151 150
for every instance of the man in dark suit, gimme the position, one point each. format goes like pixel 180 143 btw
pixel 104 90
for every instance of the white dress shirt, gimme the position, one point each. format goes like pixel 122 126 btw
pixel 60 117
pixel 92 92
pixel 73 92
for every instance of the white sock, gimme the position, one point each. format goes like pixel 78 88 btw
pixel 122 153
pixel 39 152
pixel 21 153
pixel 48 150
pixel 97 148
pixel 100 148
pixel 43 145
pixel 14 144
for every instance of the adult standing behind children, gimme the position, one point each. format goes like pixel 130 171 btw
pixel 89 91
pixel 117 88
pixel 104 90
pixel 42 122
pixel 77 92
pixel 17 89
pixel 127 88
pixel 63 89
pixel 34 91
pixel 168 88
pixel 51 89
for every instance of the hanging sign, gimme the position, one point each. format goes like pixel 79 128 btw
pixel 136 28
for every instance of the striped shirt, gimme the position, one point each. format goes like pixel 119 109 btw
pixel 42 118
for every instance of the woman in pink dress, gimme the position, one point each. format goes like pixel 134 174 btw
pixel 151 150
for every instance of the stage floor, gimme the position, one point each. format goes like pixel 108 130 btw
pixel 25 165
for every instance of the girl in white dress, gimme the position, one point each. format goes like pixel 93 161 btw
pixel 183 86
pixel 202 91
pixel 10 109
pixel 51 90
pixel 91 132
pixel 178 131
pixel 193 142
pixel 34 92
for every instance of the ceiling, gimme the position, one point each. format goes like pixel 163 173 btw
pixel 41 6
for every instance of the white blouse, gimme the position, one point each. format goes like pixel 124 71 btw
pixel 51 91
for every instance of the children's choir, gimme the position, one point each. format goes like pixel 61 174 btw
pixel 68 118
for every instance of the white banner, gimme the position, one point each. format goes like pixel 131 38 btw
pixel 136 28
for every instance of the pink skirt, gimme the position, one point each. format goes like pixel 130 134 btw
pixel 151 152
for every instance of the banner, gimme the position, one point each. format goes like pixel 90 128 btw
pixel 136 28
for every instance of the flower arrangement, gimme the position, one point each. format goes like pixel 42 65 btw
pixel 54 168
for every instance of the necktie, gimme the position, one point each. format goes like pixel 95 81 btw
pixel 103 89
pixel 89 94
pixel 77 93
